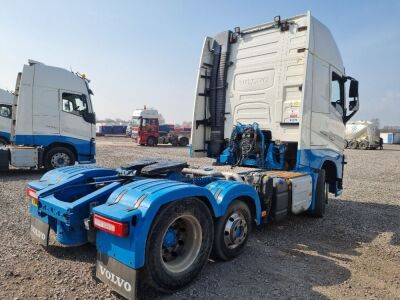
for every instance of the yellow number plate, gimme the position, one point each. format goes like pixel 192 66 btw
pixel 34 202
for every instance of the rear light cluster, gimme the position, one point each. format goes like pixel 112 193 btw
pixel 114 227
pixel 31 193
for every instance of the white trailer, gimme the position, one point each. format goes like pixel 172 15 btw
pixel 362 135
pixel 6 99
pixel 52 120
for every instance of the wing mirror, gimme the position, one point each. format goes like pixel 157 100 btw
pixel 354 104
pixel 353 93
pixel 89 117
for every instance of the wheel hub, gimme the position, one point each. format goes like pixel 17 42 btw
pixel 170 239
pixel 235 230
pixel 181 244
pixel 60 160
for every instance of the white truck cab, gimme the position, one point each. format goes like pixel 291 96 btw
pixel 6 99
pixel 288 77
pixel 53 121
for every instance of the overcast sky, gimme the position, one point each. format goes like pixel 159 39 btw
pixel 147 52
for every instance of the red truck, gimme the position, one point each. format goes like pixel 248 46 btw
pixel 145 130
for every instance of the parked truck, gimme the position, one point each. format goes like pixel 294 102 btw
pixel 263 107
pixel 362 135
pixel 6 99
pixel 52 120
pixel 145 130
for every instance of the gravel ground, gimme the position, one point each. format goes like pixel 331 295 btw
pixel 352 253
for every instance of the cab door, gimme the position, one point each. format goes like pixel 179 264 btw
pixel 327 126
pixel 74 107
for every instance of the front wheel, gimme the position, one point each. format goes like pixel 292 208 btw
pixel 179 245
pixel 58 157
pixel 151 141
pixel 232 231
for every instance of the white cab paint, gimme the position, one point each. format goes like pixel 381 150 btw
pixel 281 80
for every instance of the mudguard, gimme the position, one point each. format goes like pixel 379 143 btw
pixel 226 191
pixel 138 204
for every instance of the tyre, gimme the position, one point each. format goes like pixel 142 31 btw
pixel 178 245
pixel 183 141
pixel 353 145
pixel 232 231
pixel 321 196
pixel 346 144
pixel 58 157
pixel 363 145
pixel 151 141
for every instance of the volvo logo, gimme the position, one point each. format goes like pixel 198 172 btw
pixel 38 233
pixel 115 279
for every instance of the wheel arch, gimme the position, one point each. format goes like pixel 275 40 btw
pixel 61 144
pixel 152 206
pixel 225 192
pixel 5 140
pixel 331 174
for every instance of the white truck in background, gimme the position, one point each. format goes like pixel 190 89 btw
pixel 6 99
pixel 362 135
pixel 52 120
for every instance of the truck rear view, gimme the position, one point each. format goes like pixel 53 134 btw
pixel 270 104
pixel 286 77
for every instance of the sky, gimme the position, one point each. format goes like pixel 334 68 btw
pixel 147 52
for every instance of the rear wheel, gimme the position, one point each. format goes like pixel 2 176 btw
pixel 321 195
pixel 232 231
pixel 363 145
pixel 183 141
pixel 58 157
pixel 353 145
pixel 179 245
pixel 346 144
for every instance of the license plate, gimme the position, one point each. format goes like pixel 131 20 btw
pixel 34 202
pixel 118 276
pixel 40 231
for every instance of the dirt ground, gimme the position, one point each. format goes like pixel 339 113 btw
pixel 352 253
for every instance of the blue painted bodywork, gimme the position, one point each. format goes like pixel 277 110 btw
pixel 66 196
pixel 85 149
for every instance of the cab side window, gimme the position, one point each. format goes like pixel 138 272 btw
pixel 337 93
pixel 74 104
pixel 5 111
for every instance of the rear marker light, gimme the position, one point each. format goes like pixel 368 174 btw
pixel 31 193
pixel 114 227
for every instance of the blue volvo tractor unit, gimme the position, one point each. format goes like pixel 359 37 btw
pixel 160 218
pixel 261 115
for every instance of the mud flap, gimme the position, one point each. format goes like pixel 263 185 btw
pixel 116 275
pixel 40 231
